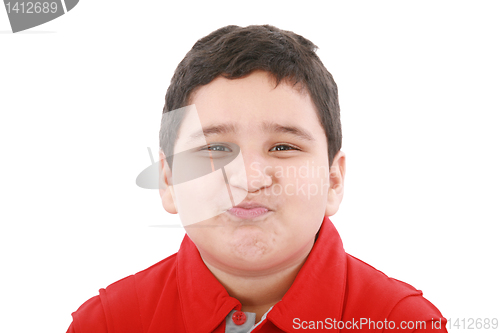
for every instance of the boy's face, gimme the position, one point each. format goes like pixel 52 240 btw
pixel 279 169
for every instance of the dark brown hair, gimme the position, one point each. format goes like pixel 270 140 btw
pixel 233 52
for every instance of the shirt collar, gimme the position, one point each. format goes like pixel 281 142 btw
pixel 204 301
pixel 317 292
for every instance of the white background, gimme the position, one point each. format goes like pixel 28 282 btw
pixel 81 100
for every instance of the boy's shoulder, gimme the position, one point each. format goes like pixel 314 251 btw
pixel 369 293
pixel 364 279
pixel 129 302
pixel 154 277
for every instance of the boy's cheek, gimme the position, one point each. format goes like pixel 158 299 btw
pixel 202 199
pixel 305 190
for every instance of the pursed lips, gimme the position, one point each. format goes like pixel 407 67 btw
pixel 248 210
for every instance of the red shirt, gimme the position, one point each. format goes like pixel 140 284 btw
pixel 333 292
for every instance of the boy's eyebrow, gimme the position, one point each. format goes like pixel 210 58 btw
pixel 213 130
pixel 268 127
pixel 290 129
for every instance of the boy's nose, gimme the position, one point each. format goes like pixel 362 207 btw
pixel 255 175
pixel 259 176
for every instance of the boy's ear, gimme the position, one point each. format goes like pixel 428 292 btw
pixel 336 189
pixel 166 191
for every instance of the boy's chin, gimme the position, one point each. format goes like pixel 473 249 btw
pixel 250 248
pixel 255 251
pixel 246 250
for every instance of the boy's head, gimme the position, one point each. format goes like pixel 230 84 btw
pixel 234 52
pixel 262 94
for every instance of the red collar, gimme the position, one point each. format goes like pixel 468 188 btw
pixel 317 292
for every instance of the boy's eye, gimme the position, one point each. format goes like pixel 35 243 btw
pixel 217 148
pixel 284 147
pixel 222 148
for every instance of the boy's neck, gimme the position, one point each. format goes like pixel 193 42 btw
pixel 259 292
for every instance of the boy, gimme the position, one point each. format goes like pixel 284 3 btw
pixel 251 160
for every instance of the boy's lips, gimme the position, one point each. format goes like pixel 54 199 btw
pixel 248 210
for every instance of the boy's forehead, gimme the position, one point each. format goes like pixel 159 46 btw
pixel 248 84
pixel 250 104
